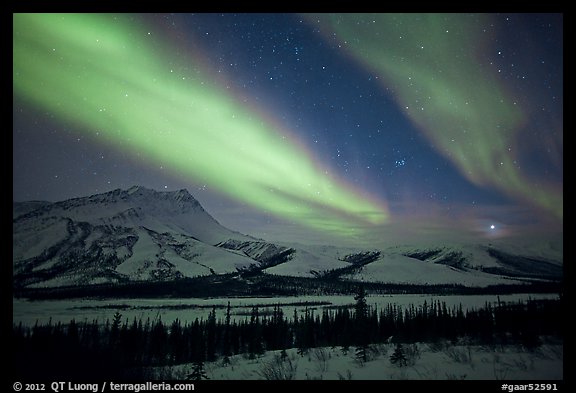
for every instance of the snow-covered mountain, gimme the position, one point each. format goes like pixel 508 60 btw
pixel 142 234
pixel 134 234
pixel 466 264
pixel 175 211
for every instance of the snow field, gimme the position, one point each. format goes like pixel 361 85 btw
pixel 428 362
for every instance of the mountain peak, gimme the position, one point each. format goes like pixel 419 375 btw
pixel 137 232
pixel 137 206
pixel 140 189
pixel 134 189
pixel 182 194
pixel 176 201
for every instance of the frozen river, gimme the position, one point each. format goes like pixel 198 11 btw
pixel 187 310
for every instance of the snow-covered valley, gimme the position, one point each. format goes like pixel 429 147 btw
pixel 159 258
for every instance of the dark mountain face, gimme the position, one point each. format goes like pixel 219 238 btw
pixel 21 208
pixel 140 234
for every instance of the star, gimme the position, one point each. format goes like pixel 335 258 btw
pixel 394 129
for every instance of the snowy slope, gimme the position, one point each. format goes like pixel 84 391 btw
pixel 20 208
pixel 477 255
pixel 399 269
pixel 31 238
pixel 466 264
pixel 134 234
pixel 452 362
pixel 314 260
pixel 306 264
pixel 178 253
pixel 142 234
pixel 139 206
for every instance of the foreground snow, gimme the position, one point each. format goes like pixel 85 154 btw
pixel 428 362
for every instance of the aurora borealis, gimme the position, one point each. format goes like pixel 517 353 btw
pixel 342 124
pixel 463 107
pixel 99 78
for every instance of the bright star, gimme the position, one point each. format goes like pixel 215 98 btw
pixel 492 226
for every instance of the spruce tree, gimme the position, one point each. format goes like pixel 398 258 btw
pixel 115 331
pixel 176 341
pixel 398 358
pixel 362 334
pixel 255 345
pixel 362 353
pixel 211 336
pixel 361 307
pixel 198 373
pixel 226 350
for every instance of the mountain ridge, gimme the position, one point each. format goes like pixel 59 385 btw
pixel 140 234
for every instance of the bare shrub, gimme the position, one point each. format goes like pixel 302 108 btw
pixel 402 375
pixel 551 352
pixel 459 355
pixel 278 369
pixel 557 351
pixel 440 345
pixel 377 350
pixel 348 376
pixel 321 356
pixel 500 370
pixel 412 354
pixel 454 377
pixel 522 364
pixel 314 378
pixel 426 373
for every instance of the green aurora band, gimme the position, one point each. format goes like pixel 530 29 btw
pixel 433 65
pixel 100 73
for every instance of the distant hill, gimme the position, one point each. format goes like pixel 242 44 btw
pixel 141 234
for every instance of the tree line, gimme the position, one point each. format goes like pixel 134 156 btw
pixel 122 348
pixel 256 283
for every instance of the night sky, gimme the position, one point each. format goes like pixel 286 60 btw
pixel 301 127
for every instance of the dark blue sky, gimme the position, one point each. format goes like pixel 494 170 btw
pixel 344 112
pixel 340 110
